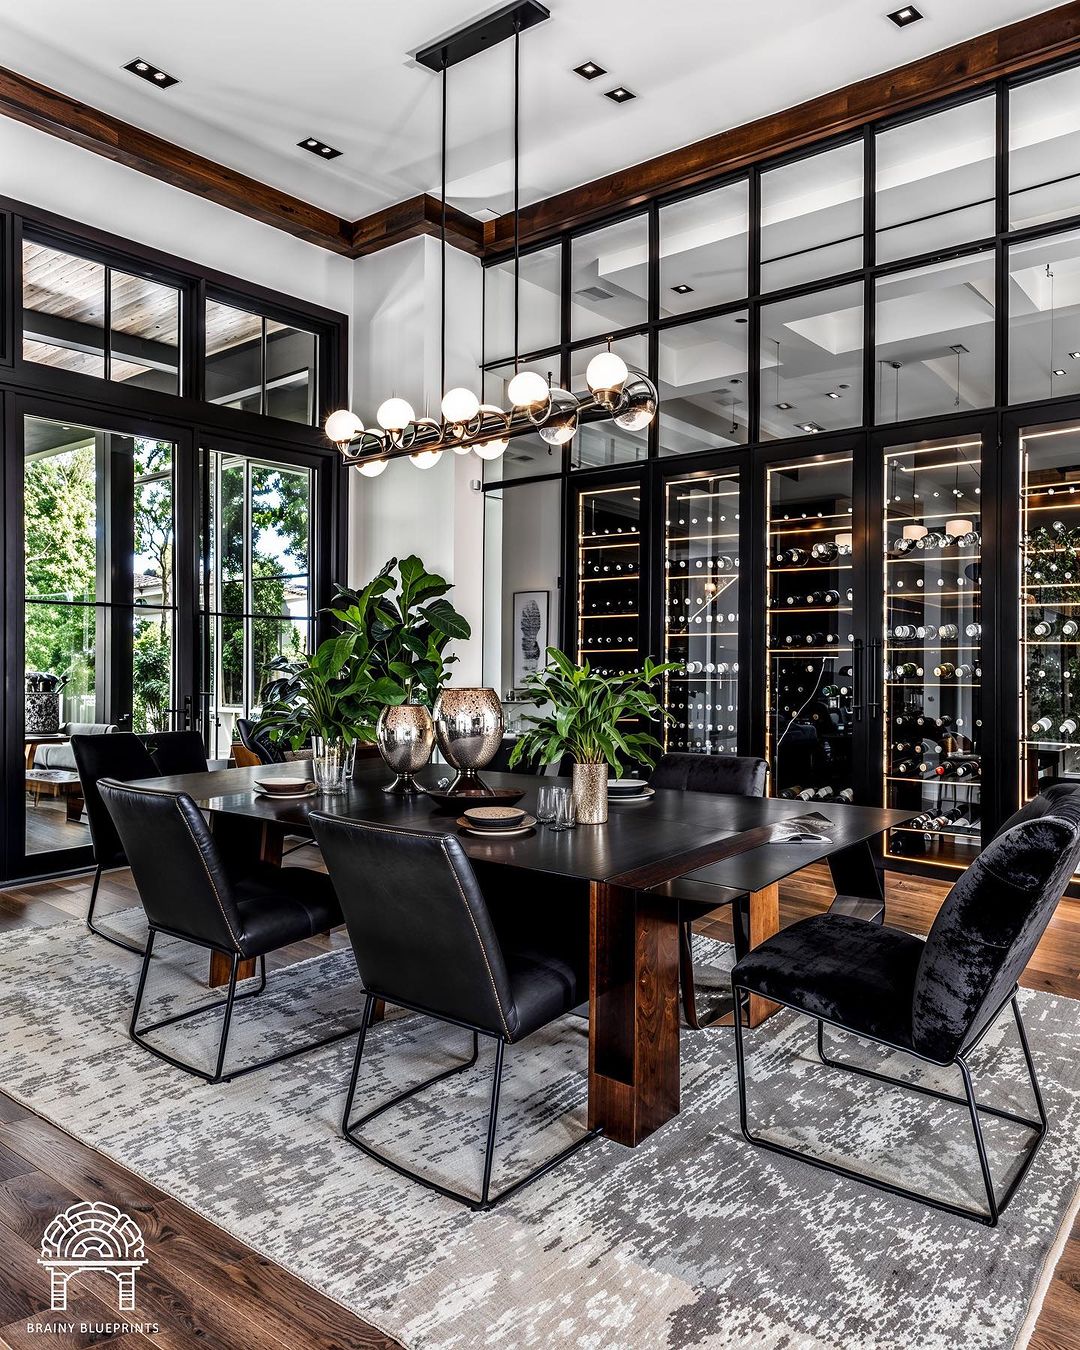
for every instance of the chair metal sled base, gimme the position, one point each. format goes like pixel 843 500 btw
pixel 100 932
pixel 996 1204
pixel 231 998
pixel 486 1199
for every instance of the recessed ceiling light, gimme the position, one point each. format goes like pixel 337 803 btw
pixel 318 147
pixel 808 426
pixel 832 394
pixel 1059 372
pixel 785 407
pixel 589 70
pixel 682 288
pixel 742 319
pixel 151 74
pixel 902 17
pixel 1075 356
pixel 620 94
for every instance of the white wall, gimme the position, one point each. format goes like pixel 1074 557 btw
pixel 49 173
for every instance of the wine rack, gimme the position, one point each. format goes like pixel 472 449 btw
pixel 609 579
pixel 932 649
pixel 1050 608
pixel 701 612
pixel 811 677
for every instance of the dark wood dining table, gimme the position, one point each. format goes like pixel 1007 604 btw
pixel 634 864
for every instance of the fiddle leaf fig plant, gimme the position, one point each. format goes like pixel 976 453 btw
pixel 402 626
pixel 331 694
pixel 592 716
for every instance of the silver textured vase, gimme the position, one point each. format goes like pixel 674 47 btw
pixel 590 793
pixel 469 728
pixel 406 738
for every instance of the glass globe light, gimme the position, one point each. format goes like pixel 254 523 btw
pixel 606 373
pixel 561 424
pixel 638 415
pixel 426 459
pixel 342 426
pixel 373 467
pixel 460 405
pixel 395 414
pixel 491 449
pixel 527 389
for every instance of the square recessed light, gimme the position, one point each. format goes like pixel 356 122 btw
pixel 620 94
pixel 808 426
pixel 589 70
pixel 151 74
pixel 319 148
pixel 682 288
pixel 1059 372
pixel 833 394
pixel 902 17
pixel 785 407
pixel 1075 356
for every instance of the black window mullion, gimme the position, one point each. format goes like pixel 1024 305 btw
pixel 1001 251
pixel 653 338
pixel 753 282
pixel 869 282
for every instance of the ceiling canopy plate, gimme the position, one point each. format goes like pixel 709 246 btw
pixel 482 35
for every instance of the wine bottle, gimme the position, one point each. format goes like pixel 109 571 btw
pixel 973 630
pixel 948 631
pixel 792 557
pixel 1070 628
pixel 907 670
pixel 1068 727
pixel 943 671
pixel 1043 628
pixel 824 551
pixel 965 672
pixel 846 795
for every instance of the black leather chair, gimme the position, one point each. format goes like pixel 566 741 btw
pixel 934 1000
pixel 124 757
pixel 188 893
pixel 727 775
pixel 177 752
pixel 424 940
pixel 259 744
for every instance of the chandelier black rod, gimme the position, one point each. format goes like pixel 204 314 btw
pixel 517 188
pixel 442 231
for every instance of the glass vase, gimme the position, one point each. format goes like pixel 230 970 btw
pixel 328 765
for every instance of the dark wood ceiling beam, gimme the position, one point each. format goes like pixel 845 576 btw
pixel 1006 51
pixel 38 106
pixel 418 216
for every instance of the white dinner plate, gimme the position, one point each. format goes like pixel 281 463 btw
pixel 285 796
pixel 642 796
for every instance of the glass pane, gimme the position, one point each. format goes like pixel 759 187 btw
pixel 810 693
pixel 280 539
pixel 522 567
pixel 60 484
pixel 936 181
pixel 1044 149
pixel 525 456
pixel 540 305
pixel 609 581
pixel 703 385
pixel 63 310
pixel 605 442
pixel 230 645
pixel 290 373
pixel 1050 608
pixel 1044 318
pixel 935 339
pixel 232 522
pixel 703 250
pixel 145 333
pixel 812 218
pixel 932 656
pixel 271 640
pixel 233 357
pixel 811 363
pixel 152 671
pixel 609 278
pixel 154 533
pixel 701 629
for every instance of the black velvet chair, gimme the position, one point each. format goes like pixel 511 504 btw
pixel 258 744
pixel 177 752
pixel 188 893
pixel 727 775
pixel 424 940
pixel 934 1000
pixel 124 757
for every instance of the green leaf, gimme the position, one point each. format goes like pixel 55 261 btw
pixel 445 619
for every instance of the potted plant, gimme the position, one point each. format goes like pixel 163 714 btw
pixel 592 718
pixel 330 698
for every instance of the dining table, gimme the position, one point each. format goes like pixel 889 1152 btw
pixel 636 866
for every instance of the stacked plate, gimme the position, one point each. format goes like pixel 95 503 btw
pixel 629 790
pixel 503 821
pixel 285 788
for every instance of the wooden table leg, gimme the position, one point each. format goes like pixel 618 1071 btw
pixel 634 1012
pixel 764 922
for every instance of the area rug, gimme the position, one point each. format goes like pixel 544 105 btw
pixel 693 1239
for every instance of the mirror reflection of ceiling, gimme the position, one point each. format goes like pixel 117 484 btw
pixel 254 80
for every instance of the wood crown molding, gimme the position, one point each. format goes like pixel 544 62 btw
pixel 1006 51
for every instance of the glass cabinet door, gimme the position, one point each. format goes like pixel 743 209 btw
pixel 1049 607
pixel 932 651
pixel 609 579
pixel 811 693
pixel 701 611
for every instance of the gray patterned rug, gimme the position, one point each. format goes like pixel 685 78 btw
pixel 693 1239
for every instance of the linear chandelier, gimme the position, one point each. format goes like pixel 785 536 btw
pixel 628 398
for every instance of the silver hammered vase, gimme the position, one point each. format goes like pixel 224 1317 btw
pixel 406 738
pixel 469 728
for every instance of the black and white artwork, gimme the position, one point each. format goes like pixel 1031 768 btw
pixel 530 633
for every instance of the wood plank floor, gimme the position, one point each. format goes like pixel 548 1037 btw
pixel 205 1288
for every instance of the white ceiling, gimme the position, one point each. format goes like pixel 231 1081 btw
pixel 257 75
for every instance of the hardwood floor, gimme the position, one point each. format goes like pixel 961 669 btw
pixel 205 1288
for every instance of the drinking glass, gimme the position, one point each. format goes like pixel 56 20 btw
pixel 565 817
pixel 545 805
pixel 328 767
